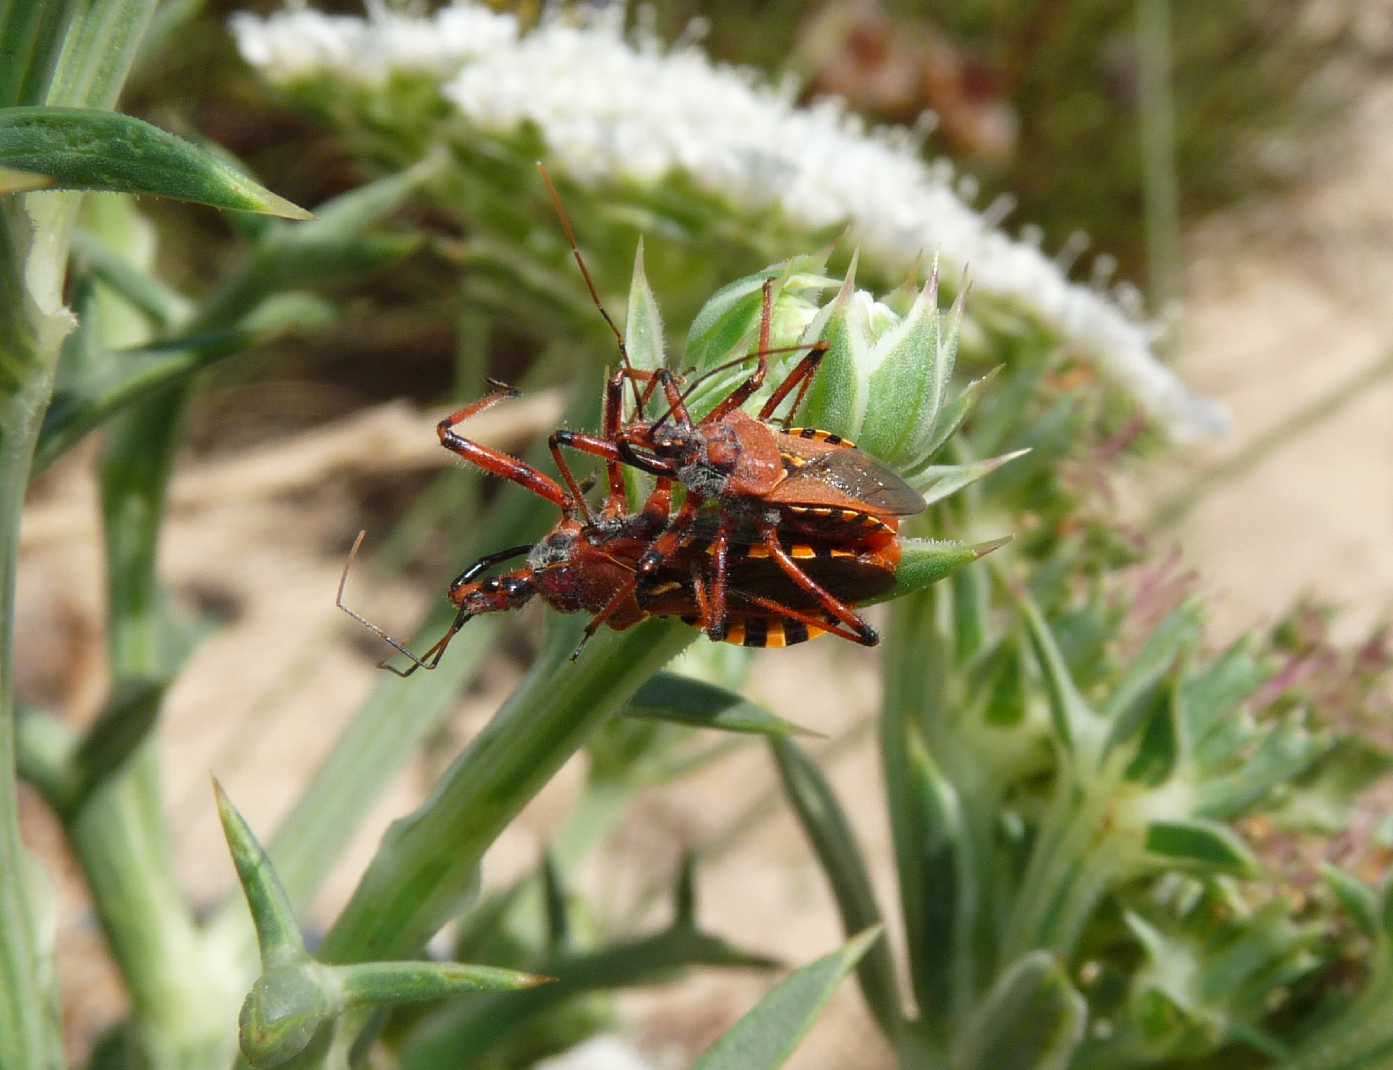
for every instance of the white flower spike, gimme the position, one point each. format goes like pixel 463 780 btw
pixel 612 107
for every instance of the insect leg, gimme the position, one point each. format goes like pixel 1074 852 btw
pixel 496 461
pixel 663 547
pixel 815 623
pixel 802 377
pixel 865 634
pixel 715 623
pixel 746 390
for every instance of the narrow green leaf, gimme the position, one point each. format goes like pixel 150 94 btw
pixel 1032 1019
pixel 765 1037
pixel 1074 720
pixel 1210 846
pixel 477 1025
pixel 122 379
pixel 385 983
pixel 830 834
pixel 276 930
pixel 943 480
pixel 923 562
pixel 1124 708
pixel 1360 901
pixel 87 149
pixel 554 901
pixel 122 726
pixel 163 306
pixel 643 331
pixel 952 415
pixel 678 699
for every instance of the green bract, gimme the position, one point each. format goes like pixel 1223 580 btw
pixel 886 380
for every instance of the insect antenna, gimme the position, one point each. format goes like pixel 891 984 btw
pixel 589 282
pixel 399 647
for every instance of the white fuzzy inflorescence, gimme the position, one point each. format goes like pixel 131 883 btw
pixel 611 107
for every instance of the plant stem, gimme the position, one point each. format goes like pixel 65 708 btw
pixel 28 1025
pixel 427 865
pixel 1159 179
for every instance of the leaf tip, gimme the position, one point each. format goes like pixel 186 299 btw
pixel 982 549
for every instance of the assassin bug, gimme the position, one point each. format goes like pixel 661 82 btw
pixel 591 565
pixel 764 481
pixel 579 567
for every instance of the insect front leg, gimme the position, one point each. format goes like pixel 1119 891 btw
pixel 495 461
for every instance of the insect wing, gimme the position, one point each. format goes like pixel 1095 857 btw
pixel 849 478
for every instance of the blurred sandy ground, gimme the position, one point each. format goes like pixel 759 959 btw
pixel 1287 300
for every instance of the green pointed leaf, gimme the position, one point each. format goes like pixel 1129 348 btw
pixel 380 984
pixel 1210 699
pixel 913 363
pixel 834 843
pixel 1321 800
pixel 554 902
pixel 1032 1019
pixel 1074 721
pixel 124 723
pixel 838 398
pixel 1360 901
pixel 161 305
pixel 277 933
pixel 952 415
pixel 1284 753
pixel 643 330
pixel 941 481
pixel 86 149
pixel 477 1025
pixel 726 322
pixel 923 562
pixel 1179 632
pixel 678 699
pixel 730 318
pixel 765 1037
pixel 1206 845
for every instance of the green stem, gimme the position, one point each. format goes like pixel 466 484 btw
pixel 1071 865
pixel 428 863
pixel 1159 177
pixel 28 1020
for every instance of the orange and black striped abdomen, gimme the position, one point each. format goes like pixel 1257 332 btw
pixel 764 631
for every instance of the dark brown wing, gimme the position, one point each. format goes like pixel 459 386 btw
pixel 844 477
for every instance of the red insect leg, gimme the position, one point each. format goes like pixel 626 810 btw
pixel 496 461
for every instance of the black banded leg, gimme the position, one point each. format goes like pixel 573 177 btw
pixel 862 632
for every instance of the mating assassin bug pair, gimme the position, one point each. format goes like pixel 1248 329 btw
pixel 781 532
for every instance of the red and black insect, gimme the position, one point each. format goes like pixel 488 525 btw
pixel 590 565
pixel 765 483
